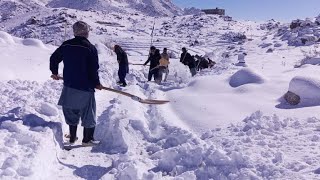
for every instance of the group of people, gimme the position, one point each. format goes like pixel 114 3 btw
pixel 159 64
pixel 81 78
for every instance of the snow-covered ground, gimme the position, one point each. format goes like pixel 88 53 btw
pixel 228 122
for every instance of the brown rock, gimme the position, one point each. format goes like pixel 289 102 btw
pixel 292 98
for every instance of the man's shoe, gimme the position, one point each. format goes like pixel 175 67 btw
pixel 88 135
pixel 72 142
pixel 91 143
pixel 68 137
pixel 73 134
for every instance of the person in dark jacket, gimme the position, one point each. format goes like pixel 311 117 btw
pixel 122 59
pixel 188 60
pixel 154 59
pixel 80 75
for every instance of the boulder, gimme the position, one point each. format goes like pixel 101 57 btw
pixel 270 50
pixel 292 98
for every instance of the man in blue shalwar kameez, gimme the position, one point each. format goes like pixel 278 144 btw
pixel 80 75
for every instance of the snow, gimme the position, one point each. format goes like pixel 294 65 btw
pixel 307 88
pixel 300 32
pixel 6 38
pixel 152 7
pixel 48 109
pixel 311 60
pixel 33 42
pixel 15 68
pixel 245 76
pixel 228 122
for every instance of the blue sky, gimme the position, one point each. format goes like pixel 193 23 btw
pixel 283 10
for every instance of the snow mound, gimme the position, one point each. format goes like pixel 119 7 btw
pixel 33 42
pixel 103 49
pixel 6 38
pixel 48 109
pixel 308 88
pixel 245 76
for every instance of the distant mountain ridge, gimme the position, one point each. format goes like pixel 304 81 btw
pixel 147 7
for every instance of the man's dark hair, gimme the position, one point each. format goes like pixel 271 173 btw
pixel 153 48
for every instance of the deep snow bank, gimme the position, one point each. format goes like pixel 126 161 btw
pixel 23 58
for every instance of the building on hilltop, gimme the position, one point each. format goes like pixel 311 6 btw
pixel 217 11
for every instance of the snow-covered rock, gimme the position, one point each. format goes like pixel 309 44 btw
pixel 264 45
pixel 234 37
pixel 307 88
pixel 309 60
pixel 270 25
pixel 192 10
pixel 300 33
pixel 277 45
pixel 245 76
